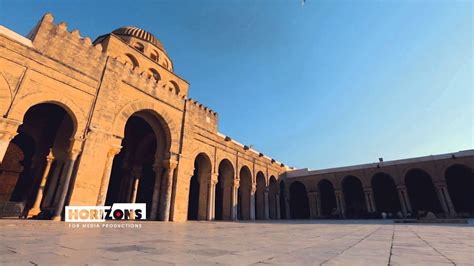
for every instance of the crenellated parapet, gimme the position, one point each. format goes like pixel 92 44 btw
pixel 203 116
pixel 68 47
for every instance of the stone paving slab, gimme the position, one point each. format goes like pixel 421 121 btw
pixel 28 242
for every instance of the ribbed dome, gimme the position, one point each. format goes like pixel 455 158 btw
pixel 138 33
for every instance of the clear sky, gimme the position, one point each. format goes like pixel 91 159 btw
pixel 325 84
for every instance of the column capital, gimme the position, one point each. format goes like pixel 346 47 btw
pixel 401 187
pixel 114 150
pixel 338 192
pixel 8 129
pixel 253 188
pixel 50 156
pixel 137 171
pixel 440 184
pixel 214 178
pixel 367 189
pixel 236 183
pixel 313 193
pixel 170 164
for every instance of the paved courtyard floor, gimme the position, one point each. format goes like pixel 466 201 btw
pixel 207 243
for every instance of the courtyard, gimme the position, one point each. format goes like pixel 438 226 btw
pixel 348 242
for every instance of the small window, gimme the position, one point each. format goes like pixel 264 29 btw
pixel 130 59
pixel 139 47
pixel 154 56
pixel 152 73
pixel 165 63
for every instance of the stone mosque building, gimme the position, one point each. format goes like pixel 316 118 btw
pixel 109 121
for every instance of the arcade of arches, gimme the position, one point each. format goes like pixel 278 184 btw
pixel 116 125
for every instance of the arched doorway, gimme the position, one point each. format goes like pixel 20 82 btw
pixel 47 129
pixel 283 200
pixel 460 182
pixel 198 192
pixel 243 206
pixel 299 204
pixel 224 189
pixel 354 198
pixel 328 199
pixel 272 198
pixel 385 194
pixel 421 192
pixel 260 197
pixel 139 164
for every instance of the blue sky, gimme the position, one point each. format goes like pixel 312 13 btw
pixel 325 84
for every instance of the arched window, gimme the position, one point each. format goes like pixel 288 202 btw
pixel 152 73
pixel 139 47
pixel 176 87
pixel 130 59
pixel 165 63
pixel 154 56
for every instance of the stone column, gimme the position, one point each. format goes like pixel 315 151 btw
pixel 72 157
pixel 404 201
pixel 266 205
pixel 136 175
pixel 340 203
pixel 8 130
pixel 445 198
pixel 235 199
pixel 252 202
pixel 104 182
pixel 313 209
pixel 318 203
pixel 211 197
pixel 287 207
pixel 35 210
pixel 369 199
pixel 158 168
pixel 278 211
pixel 167 188
pixel 48 200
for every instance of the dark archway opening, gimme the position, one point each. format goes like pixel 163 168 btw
pixel 385 194
pixel 354 198
pixel 245 187
pixel 299 204
pixel 46 127
pixel 260 197
pixel 460 182
pixel 328 199
pixel 133 177
pixel 421 192
pixel 197 200
pixel 272 198
pixel 224 190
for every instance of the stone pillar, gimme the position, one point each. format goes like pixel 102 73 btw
pixel 211 198
pixel 35 210
pixel 278 211
pixel 313 209
pixel 341 205
pixel 445 198
pixel 48 200
pixel 136 175
pixel 8 130
pixel 369 199
pixel 67 178
pixel 104 182
pixel 266 206
pixel 158 168
pixel 318 204
pixel 287 207
pixel 167 188
pixel 252 202
pixel 404 200
pixel 235 199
